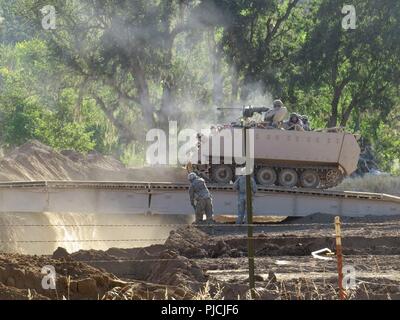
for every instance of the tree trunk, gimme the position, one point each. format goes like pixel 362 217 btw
pixel 216 57
pixel 168 110
pixel 143 94
pixel 357 121
pixel 346 113
pixel 332 122
pixel 245 89
pixel 334 109
pixel 125 133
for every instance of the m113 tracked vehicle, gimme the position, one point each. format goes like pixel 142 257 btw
pixel 287 158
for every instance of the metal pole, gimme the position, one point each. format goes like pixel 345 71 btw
pixel 339 257
pixel 249 210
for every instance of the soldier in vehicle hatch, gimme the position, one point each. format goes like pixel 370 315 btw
pixel 200 198
pixel 294 123
pixel 274 117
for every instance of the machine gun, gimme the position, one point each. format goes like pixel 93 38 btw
pixel 248 111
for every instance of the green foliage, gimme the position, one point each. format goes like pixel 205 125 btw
pixel 28 120
pixel 359 68
pixel 116 69
pixel 133 155
pixel 387 144
pixel 20 125
pixel 34 105
pixel 13 28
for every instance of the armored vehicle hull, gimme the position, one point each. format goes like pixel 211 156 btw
pixel 307 159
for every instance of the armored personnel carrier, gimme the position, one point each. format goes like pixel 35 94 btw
pixel 287 158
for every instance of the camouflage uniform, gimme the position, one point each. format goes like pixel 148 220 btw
pixel 295 123
pixel 200 198
pixel 306 124
pixel 240 186
pixel 275 116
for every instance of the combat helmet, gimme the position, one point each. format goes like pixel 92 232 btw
pixel 278 103
pixel 192 176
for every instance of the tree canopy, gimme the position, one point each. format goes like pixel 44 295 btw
pixel 113 69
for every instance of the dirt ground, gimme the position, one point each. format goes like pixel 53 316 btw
pixel 210 262
pixel 285 268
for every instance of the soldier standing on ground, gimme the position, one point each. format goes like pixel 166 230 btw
pixel 240 187
pixel 200 198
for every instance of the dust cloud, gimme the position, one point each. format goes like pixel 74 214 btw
pixel 43 233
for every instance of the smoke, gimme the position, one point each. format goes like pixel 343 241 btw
pixel 188 75
pixel 258 96
pixel 217 72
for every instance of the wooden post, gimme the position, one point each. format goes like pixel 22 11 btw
pixel 249 210
pixel 339 257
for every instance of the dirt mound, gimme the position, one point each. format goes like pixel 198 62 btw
pixel 172 269
pixel 36 161
pixel 194 243
pixel 74 280
pixel 156 264
pixel 189 242
pixel 94 159
pixel 21 278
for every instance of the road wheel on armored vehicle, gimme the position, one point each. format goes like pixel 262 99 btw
pixel 266 176
pixel 333 178
pixel 222 174
pixel 288 178
pixel 309 179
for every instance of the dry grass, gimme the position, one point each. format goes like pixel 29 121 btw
pixel 369 183
pixel 300 289
pixel 206 293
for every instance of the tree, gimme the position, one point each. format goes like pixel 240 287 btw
pixel 13 28
pixel 36 103
pixel 124 55
pixel 119 68
pixel 358 68
pixel 254 39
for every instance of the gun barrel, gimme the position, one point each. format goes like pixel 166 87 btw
pixel 250 111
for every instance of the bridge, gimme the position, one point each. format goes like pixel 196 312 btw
pixel 164 198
